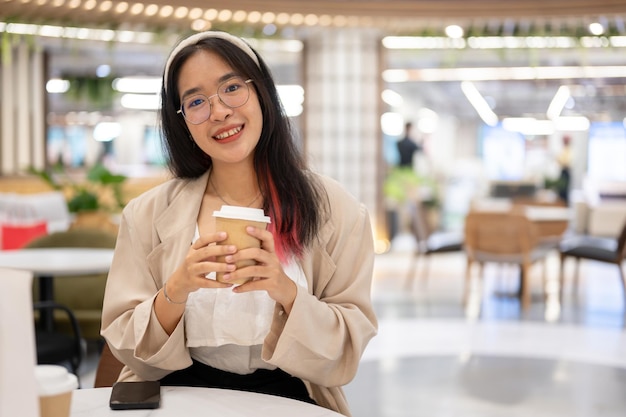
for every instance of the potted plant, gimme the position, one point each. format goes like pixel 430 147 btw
pixel 91 201
pixel 402 188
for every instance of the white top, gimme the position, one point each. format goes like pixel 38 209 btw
pixel 199 402
pixel 58 261
pixel 226 330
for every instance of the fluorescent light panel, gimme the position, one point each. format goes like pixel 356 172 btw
pixel 479 103
pixel 503 73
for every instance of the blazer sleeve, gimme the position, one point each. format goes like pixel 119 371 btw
pixel 326 332
pixel 129 324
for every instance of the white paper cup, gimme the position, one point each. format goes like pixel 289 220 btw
pixel 55 385
pixel 234 220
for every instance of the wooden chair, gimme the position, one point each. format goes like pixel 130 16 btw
pixel 108 370
pixel 503 237
pixel 429 242
pixel 596 249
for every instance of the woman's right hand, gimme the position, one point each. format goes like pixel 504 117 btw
pixel 201 260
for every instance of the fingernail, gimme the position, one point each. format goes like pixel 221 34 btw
pixel 228 258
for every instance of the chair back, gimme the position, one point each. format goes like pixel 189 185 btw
pixel 498 234
pixel 109 368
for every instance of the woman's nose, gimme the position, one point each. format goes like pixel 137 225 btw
pixel 219 110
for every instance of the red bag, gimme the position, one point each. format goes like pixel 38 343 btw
pixel 16 236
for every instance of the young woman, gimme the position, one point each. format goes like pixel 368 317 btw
pixel 299 327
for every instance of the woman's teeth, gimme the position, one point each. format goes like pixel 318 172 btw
pixel 228 133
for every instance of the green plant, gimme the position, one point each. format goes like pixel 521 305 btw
pixel 102 189
pixel 404 184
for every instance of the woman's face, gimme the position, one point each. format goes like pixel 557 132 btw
pixel 228 135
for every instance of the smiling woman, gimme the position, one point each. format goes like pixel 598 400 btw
pixel 224 128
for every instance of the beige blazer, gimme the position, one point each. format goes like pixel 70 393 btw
pixel 321 341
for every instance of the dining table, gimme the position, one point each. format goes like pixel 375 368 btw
pixel 47 263
pixel 197 402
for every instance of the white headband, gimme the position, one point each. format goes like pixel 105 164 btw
pixel 193 39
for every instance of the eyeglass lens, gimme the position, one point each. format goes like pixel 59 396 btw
pixel 233 93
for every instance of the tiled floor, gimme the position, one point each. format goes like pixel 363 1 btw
pixel 434 358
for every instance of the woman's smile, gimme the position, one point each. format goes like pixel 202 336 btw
pixel 229 134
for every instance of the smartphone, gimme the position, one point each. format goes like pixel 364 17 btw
pixel 135 395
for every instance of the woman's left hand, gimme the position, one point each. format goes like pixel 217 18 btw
pixel 267 274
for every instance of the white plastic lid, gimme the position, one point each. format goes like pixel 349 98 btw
pixel 243 213
pixel 54 379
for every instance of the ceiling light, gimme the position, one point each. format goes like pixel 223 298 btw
pixel 282 18
pixel 103 70
pixel 105 6
pixel 151 10
pixel 224 15
pixel 558 102
pixel 479 103
pixel 106 131
pixel 596 29
pixel 572 124
pixel 210 14
pixel 181 12
pixel 268 17
pixel 297 19
pixel 140 101
pixel 121 7
pixel 136 9
pixel 240 16
pixel 392 98
pixel 166 11
pixel 392 124
pixel 200 25
pixel 195 13
pixel 454 31
pixel 311 20
pixel 528 126
pixel 57 86
pixel 254 17
pixel 137 84
pixel 503 73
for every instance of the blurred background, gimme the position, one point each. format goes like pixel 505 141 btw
pixel 498 105
pixel 491 91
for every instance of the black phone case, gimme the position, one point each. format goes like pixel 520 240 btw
pixel 135 395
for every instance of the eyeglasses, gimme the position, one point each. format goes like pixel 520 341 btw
pixel 233 93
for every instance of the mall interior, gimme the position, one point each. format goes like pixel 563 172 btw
pixel 517 109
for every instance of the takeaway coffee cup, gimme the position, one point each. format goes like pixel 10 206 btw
pixel 55 385
pixel 234 220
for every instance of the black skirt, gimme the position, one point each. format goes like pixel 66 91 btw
pixel 264 381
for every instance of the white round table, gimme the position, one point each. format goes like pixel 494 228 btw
pixel 46 263
pixel 198 402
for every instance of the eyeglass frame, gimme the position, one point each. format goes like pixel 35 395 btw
pixel 208 98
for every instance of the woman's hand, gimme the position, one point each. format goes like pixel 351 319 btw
pixel 267 274
pixel 201 259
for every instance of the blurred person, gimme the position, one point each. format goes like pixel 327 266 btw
pixel 565 161
pixel 407 147
pixel 299 327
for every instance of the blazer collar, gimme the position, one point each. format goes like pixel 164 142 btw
pixel 181 215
